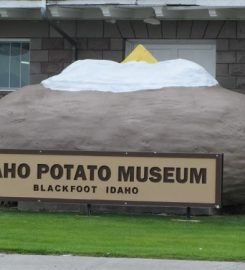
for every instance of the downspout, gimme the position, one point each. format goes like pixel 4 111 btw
pixel 45 16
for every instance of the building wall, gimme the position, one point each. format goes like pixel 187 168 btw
pixel 50 53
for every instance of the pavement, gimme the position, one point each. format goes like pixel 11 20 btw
pixel 68 262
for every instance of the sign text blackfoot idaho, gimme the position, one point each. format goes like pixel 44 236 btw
pixel 111 177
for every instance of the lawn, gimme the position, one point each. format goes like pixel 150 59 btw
pixel 213 238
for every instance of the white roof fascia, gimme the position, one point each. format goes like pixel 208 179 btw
pixel 21 4
pixel 124 2
pixel 91 2
pixel 203 3
pixel 169 4
pixel 221 3
pixel 213 3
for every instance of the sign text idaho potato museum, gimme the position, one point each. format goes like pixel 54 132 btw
pixel 111 177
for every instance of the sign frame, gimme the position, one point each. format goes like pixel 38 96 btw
pixel 218 185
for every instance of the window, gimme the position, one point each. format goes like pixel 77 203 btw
pixel 14 63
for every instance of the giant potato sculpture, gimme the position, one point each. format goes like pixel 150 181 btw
pixel 195 120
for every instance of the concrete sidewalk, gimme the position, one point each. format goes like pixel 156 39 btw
pixel 66 262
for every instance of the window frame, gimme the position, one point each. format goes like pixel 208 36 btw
pixel 5 90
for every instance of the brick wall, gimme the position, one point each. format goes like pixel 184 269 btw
pixel 50 53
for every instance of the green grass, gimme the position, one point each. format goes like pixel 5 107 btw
pixel 213 238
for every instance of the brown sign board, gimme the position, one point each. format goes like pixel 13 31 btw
pixel 111 177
